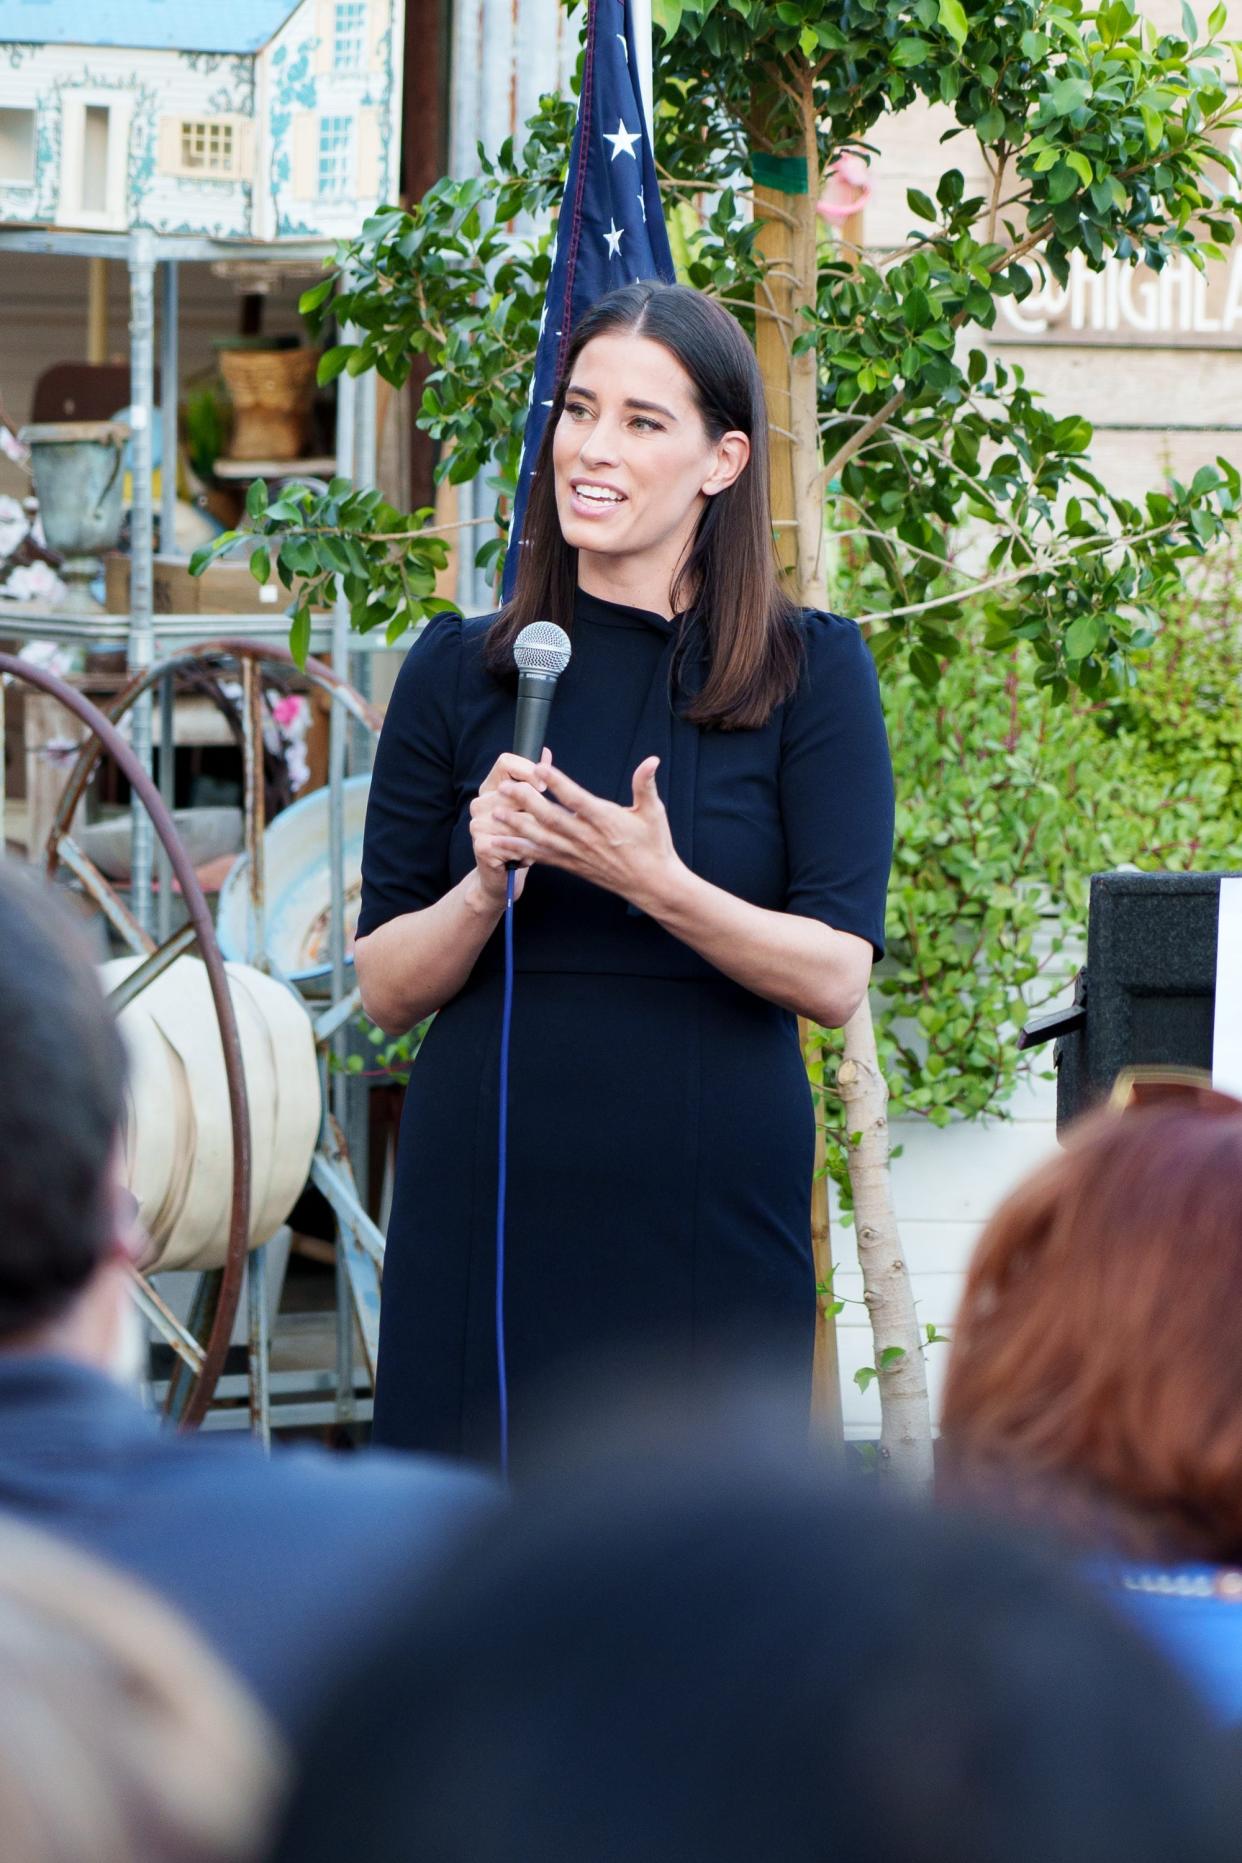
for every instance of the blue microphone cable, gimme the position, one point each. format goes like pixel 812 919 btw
pixel 502 1179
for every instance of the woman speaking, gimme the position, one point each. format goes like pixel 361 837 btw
pixel 704 849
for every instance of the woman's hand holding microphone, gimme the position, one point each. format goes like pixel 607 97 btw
pixel 532 812
pixel 491 851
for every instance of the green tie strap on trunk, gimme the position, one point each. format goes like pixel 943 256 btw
pixel 784 174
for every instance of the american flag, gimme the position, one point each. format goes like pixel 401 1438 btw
pixel 611 229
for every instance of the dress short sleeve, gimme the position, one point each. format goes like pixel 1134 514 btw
pixel 412 805
pixel 837 784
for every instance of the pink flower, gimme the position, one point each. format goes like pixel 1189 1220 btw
pixel 288 710
pixel 846 189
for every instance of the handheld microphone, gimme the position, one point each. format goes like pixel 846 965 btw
pixel 541 653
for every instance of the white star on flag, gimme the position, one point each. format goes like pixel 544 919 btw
pixel 612 238
pixel 624 140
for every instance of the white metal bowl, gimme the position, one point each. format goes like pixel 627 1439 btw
pixel 297 886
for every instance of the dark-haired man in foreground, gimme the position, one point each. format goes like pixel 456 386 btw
pixel 282 1563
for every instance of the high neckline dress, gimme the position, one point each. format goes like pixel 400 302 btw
pixel 661 1131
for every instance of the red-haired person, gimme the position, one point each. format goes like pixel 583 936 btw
pixel 1096 1372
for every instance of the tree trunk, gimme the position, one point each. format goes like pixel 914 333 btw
pixel 810 487
pixel 905 1418
pixel 789 236
pixel 827 1418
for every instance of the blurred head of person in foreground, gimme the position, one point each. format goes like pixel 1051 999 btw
pixel 721 1656
pixel 122 1739
pixel 1095 1375
pixel 68 1230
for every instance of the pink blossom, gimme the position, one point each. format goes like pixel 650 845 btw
pixel 288 710
pixel 846 189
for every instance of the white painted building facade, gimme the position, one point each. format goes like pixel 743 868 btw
pixel 277 119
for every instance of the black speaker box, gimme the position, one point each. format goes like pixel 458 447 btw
pixel 1147 994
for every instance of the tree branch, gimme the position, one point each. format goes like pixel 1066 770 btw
pixel 1039 567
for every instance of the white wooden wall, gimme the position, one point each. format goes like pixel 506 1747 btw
pixel 152 84
pixel 945 1185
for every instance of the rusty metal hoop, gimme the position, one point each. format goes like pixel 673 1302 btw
pixel 265 653
pixel 107 737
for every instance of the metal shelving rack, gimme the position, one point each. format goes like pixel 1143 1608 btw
pixel 154 259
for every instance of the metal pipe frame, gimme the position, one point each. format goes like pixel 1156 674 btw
pixel 187 248
pixel 338 1099
pixel 169 377
pixel 140 649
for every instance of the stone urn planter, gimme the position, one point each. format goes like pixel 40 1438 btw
pixel 78 483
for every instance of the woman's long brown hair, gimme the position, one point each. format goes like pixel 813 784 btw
pixel 729 583
pixel 1097 1355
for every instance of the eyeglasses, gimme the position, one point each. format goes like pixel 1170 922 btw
pixel 1138 1087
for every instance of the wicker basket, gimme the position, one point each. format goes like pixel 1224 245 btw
pixel 272 391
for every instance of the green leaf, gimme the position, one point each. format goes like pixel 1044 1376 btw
pixel 865 1375
pixel 952 17
pixel 951 187
pixel 299 636
pixel 1082 636
pixel 919 203
pixel 317 295
pixel 1062 182
pixel 925 667
pixel 256 499
pixel 991 125
pixel 808 39
pixel 208 552
pixel 260 566
pixel 1081 166
pixel 332 362
pixel 1068 95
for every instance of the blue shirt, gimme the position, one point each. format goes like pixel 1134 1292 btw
pixel 287 1565
pixel 1193 1613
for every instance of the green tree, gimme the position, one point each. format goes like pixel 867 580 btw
pixel 1007 803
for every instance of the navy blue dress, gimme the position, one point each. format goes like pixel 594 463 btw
pixel 661 1131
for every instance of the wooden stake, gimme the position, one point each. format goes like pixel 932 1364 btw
pixel 96 310
pixel 782 241
pixel 775 243
pixel 827 1417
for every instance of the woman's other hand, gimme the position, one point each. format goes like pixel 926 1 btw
pixel 494 848
pixel 558 823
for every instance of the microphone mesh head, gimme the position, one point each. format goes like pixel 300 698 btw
pixel 542 647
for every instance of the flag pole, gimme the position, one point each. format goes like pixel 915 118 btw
pixel 640 11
